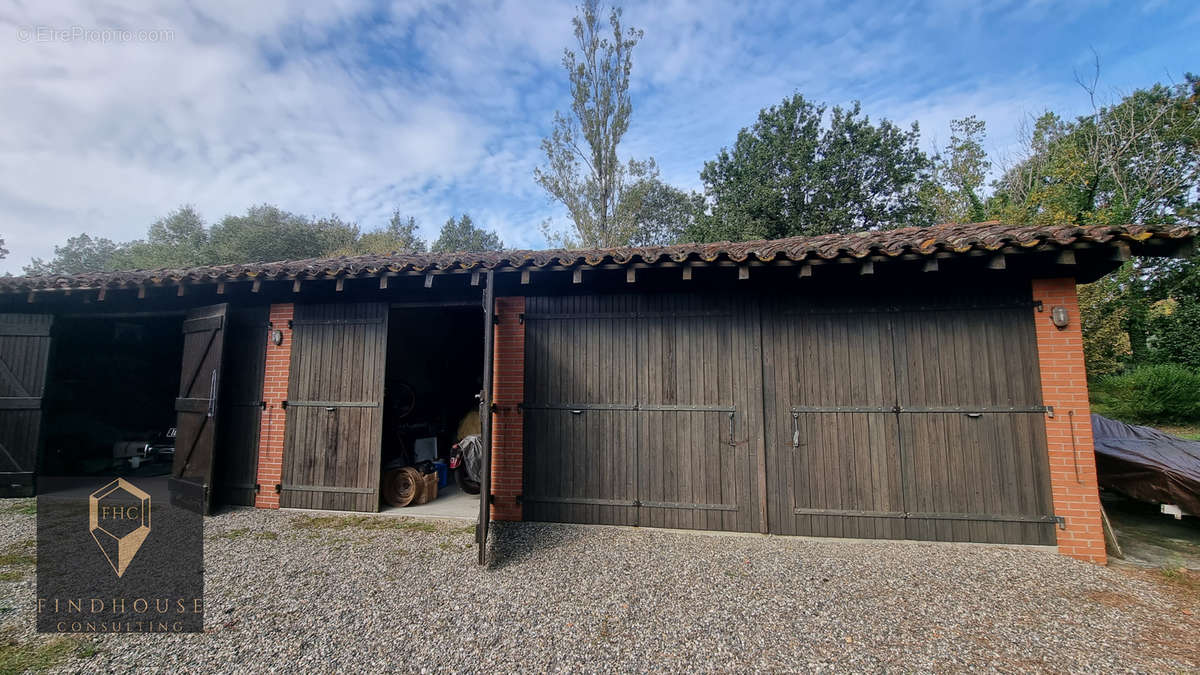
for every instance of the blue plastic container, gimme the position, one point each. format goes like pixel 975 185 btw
pixel 443 473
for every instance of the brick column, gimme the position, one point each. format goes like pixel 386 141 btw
pixel 1073 483
pixel 270 431
pixel 508 390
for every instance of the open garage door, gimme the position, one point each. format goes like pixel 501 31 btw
pixel 895 422
pixel 642 410
pixel 196 405
pixel 24 354
pixel 331 456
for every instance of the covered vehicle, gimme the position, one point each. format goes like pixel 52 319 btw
pixel 1147 464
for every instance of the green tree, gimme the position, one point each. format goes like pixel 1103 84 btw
pixel 462 235
pixel 959 172
pixel 665 213
pixel 80 254
pixel 790 174
pixel 583 171
pixel 267 233
pixel 179 239
pixel 1136 160
pixel 400 236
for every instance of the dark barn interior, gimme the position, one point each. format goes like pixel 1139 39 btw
pixel 434 372
pixel 111 392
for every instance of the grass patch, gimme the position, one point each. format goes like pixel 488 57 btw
pixel 1190 432
pixel 360 523
pixel 41 655
pixel 466 529
pixel 19 555
pixel 235 534
pixel 1182 579
pixel 266 536
pixel 22 507
pixel 11 575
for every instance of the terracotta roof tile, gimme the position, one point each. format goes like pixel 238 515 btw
pixel 955 238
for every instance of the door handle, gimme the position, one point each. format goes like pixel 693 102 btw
pixel 576 412
pixel 732 443
pixel 795 429
pixel 330 408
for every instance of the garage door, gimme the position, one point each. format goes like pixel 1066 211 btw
pixel 906 422
pixel 643 410
pixel 335 407
pixel 24 353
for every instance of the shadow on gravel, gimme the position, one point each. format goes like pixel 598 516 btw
pixel 513 543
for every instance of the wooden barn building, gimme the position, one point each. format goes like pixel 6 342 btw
pixel 919 383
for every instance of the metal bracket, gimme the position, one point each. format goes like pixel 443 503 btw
pixel 1037 305
pixel 257 488
pixel 521 318
pixel 1050 411
pixel 290 324
pixel 519 499
pixel 283 405
pixel 495 319
pixel 262 404
pixel 1062 522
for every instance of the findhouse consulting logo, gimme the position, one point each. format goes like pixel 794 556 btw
pixel 118 555
pixel 118 527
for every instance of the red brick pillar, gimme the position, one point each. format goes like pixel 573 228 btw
pixel 508 391
pixel 1073 484
pixel 274 416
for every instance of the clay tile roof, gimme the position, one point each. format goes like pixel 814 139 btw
pixel 951 237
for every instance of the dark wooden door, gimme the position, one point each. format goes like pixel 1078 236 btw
pixel 643 410
pixel 24 355
pixel 197 404
pixel 240 405
pixel 893 421
pixel 833 461
pixel 335 407
pixel 972 426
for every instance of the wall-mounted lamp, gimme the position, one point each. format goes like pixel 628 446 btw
pixel 276 337
pixel 1059 317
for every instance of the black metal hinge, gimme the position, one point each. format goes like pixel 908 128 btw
pixel 521 318
pixel 1062 522
pixel 519 499
pixel 283 404
pixel 289 324
pixel 257 488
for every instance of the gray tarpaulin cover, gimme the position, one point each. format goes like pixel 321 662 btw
pixel 472 453
pixel 1147 464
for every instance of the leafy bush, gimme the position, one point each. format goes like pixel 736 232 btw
pixel 1166 393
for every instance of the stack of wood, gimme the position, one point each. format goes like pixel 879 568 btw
pixel 407 486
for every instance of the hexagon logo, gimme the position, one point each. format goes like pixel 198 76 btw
pixel 119 520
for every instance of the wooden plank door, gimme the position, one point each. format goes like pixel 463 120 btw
pixel 240 405
pixel 197 404
pixel 972 425
pixel 643 410
pixel 335 407
pixel 833 452
pixel 698 367
pixel 485 416
pixel 580 409
pixel 24 355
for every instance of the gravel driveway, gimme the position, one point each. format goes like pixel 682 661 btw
pixel 286 590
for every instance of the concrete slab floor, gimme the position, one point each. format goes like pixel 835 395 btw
pixel 1149 538
pixel 451 502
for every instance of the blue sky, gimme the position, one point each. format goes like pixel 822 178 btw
pixel 359 108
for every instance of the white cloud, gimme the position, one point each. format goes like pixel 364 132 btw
pixel 438 108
